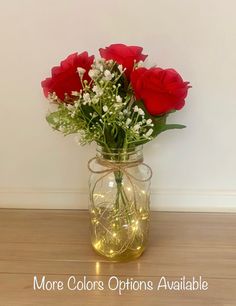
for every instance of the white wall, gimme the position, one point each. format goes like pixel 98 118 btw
pixel 194 169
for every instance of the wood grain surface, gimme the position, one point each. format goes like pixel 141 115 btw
pixel 55 244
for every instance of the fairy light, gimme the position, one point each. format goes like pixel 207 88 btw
pixel 95 221
pixel 144 216
pixel 123 230
pixel 97 244
pixel 111 184
pixel 98 195
pixel 135 226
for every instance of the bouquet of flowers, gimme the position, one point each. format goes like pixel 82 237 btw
pixel 113 100
pixel 118 103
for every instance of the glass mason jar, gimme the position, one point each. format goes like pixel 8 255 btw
pixel 119 187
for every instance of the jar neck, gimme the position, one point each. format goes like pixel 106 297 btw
pixel 120 155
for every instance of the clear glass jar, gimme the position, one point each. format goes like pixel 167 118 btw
pixel 119 203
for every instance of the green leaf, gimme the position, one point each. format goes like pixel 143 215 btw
pixel 139 142
pixel 167 127
pixel 159 122
pixel 53 119
pixel 175 126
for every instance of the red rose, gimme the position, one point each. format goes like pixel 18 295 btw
pixel 161 90
pixel 123 55
pixel 65 78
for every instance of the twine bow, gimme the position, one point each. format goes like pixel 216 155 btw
pixel 112 167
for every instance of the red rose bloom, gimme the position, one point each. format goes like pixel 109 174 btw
pixel 65 78
pixel 123 55
pixel 161 90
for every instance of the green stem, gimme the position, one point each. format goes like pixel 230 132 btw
pixel 121 195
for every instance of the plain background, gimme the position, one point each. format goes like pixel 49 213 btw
pixel 194 169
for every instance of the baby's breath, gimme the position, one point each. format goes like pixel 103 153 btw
pixel 103 111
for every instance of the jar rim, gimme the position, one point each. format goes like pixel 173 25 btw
pixel 120 154
pixel 119 150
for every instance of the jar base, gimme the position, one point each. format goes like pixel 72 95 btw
pixel 127 256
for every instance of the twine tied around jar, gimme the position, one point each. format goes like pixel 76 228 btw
pixel 112 166
pixel 122 167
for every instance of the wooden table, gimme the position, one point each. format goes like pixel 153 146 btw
pixel 55 244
